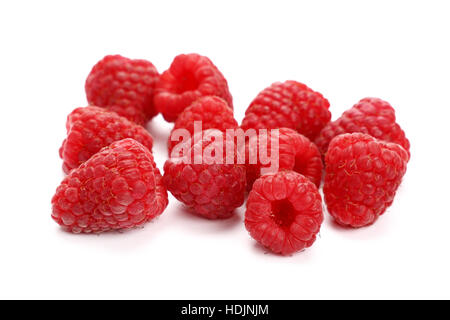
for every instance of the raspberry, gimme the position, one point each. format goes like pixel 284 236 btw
pixel 124 86
pixel 362 177
pixel 118 188
pixel 295 152
pixel 189 77
pixel 209 188
pixel 91 128
pixel 371 116
pixel 213 112
pixel 284 212
pixel 288 104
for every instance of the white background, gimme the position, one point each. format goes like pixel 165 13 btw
pixel 347 50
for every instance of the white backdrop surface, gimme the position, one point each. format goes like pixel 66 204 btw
pixel 347 50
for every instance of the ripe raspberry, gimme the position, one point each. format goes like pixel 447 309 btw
pixel 362 177
pixel 212 187
pixel 189 77
pixel 295 152
pixel 289 104
pixel 91 128
pixel 124 86
pixel 213 112
pixel 372 116
pixel 119 187
pixel 284 212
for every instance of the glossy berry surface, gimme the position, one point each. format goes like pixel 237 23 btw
pixel 189 77
pixel 124 86
pixel 371 116
pixel 91 128
pixel 284 212
pixel 118 188
pixel 288 104
pixel 362 177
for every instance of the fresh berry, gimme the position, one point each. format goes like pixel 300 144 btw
pixel 204 179
pixel 124 86
pixel 371 116
pixel 91 128
pixel 288 104
pixel 284 212
pixel 213 112
pixel 118 188
pixel 189 77
pixel 362 177
pixel 295 152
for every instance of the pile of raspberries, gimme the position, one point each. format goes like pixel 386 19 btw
pixel 113 183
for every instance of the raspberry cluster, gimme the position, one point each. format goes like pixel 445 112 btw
pixel 278 154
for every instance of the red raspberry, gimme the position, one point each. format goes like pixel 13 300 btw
pixel 371 116
pixel 362 177
pixel 124 86
pixel 91 128
pixel 213 112
pixel 189 77
pixel 118 188
pixel 289 104
pixel 284 212
pixel 211 189
pixel 295 152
